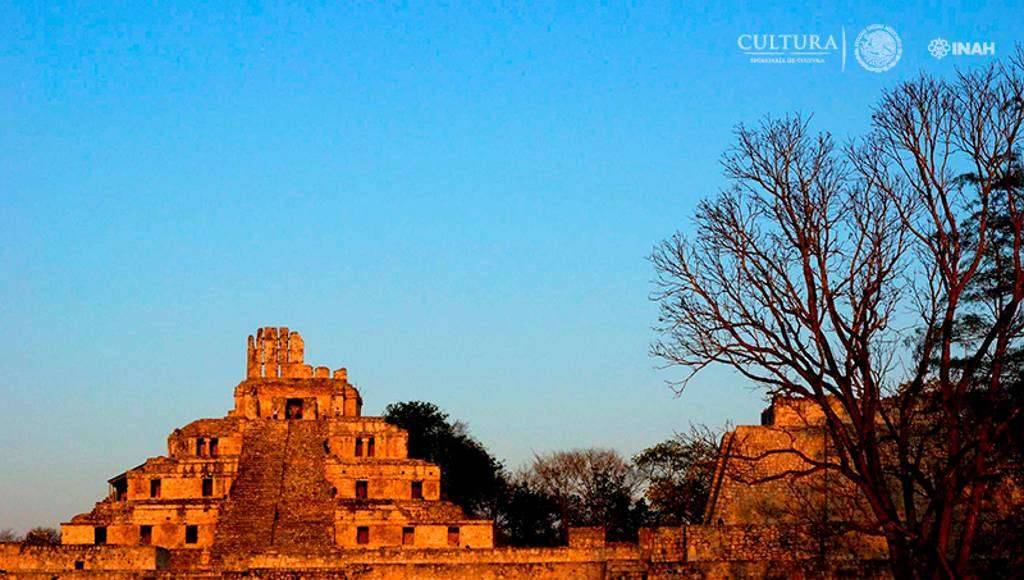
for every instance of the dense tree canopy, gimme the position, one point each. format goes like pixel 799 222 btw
pixel 591 487
pixel 677 473
pixel 526 516
pixel 1001 524
pixel 42 536
pixel 581 487
pixel 470 476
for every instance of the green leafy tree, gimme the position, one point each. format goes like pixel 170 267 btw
pixel 678 474
pixel 470 476
pixel 987 294
pixel 1001 521
pixel 527 516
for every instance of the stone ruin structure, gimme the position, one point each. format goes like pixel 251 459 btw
pixel 294 468
pixel 295 482
pixel 763 488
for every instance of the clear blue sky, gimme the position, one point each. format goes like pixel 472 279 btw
pixel 455 203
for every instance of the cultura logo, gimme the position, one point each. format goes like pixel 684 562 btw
pixel 789 48
pixel 878 48
pixel 939 48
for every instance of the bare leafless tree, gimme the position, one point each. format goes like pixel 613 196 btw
pixel 839 273
pixel 42 536
pixel 592 487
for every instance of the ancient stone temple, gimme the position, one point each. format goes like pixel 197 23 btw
pixel 764 488
pixel 294 468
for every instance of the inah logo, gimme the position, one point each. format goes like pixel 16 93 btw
pixel 878 48
pixel 939 48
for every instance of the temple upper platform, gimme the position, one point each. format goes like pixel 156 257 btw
pixel 280 385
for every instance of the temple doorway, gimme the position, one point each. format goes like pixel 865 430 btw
pixel 293 409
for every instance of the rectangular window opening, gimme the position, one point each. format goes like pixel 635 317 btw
pixel 214 444
pixel 191 534
pixel 362 535
pixel 99 535
pixel 200 447
pixel 154 488
pixel 453 535
pixel 362 489
pixel 207 487
pixel 417 490
pixel 359 446
pixel 370 447
pixel 145 535
pixel 408 536
pixel 120 487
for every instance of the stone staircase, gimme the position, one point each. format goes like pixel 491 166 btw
pixel 280 501
pixel 247 518
pixel 305 521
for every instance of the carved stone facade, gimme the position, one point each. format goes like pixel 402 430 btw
pixel 293 468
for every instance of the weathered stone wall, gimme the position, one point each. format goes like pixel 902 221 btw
pixel 385 480
pixel 183 442
pixel 683 552
pixel 612 561
pixel 773 474
pixel 663 544
pixel 587 537
pixel 799 412
pixel 322 398
pixel 178 482
pixel 21 558
pixel 747 487
pixel 449 556
pixel 167 523
pixel 389 442
pixel 578 570
pixel 433 571
pixel 748 542
pixel 276 353
pixel 382 533
pixel 769 499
